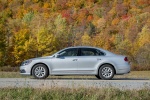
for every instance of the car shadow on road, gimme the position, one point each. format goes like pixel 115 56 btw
pixel 93 79
pixel 130 79
pixel 68 79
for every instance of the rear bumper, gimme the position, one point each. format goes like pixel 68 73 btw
pixel 123 69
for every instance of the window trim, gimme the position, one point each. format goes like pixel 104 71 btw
pixel 68 49
pixel 79 51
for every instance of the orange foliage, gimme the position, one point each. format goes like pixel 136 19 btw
pixel 46 5
pixel 82 15
pixel 115 21
pixel 89 18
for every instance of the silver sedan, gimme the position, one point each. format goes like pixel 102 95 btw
pixel 81 60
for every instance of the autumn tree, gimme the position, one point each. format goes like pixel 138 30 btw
pixel 20 39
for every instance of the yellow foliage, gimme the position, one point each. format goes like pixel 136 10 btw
pixel 112 39
pixel 25 12
pixel 46 5
pixel 86 39
pixel 35 1
pixel 20 38
pixel 95 19
pixel 135 11
pixel 124 47
pixel 112 11
pixel 115 21
pixel 70 3
pixel 144 36
pixel 126 3
pixel 46 15
pixel 103 41
pixel 98 41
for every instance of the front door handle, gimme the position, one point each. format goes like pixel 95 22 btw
pixel 74 59
pixel 98 59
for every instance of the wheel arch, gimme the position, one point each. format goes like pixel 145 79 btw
pixel 43 64
pixel 107 64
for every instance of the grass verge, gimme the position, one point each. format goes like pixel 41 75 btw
pixel 73 94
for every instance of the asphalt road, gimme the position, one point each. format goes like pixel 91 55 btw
pixel 122 84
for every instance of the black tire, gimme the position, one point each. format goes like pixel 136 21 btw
pixel 97 76
pixel 106 72
pixel 40 71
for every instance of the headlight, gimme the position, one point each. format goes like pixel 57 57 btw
pixel 26 62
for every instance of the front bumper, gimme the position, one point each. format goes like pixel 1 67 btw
pixel 25 70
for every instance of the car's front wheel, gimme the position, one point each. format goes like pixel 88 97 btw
pixel 106 72
pixel 40 71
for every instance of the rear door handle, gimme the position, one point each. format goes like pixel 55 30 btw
pixel 74 59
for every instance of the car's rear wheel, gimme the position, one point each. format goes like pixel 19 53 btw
pixel 106 72
pixel 40 71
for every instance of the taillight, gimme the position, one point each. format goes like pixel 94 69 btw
pixel 125 59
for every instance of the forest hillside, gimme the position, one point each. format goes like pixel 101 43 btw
pixel 34 28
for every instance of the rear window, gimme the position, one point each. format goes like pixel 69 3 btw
pixel 91 52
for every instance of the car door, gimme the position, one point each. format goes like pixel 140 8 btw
pixel 66 62
pixel 88 60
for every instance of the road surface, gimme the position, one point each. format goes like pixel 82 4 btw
pixel 122 84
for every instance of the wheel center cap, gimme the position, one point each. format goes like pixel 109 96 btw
pixel 107 72
pixel 39 71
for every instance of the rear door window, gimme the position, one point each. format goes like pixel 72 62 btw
pixel 91 52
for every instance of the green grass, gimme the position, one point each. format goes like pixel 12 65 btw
pixel 132 75
pixel 73 94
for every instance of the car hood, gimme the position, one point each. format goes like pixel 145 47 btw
pixel 46 57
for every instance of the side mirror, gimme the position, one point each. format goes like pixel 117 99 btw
pixel 60 54
pixel 57 55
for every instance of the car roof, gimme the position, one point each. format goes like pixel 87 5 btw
pixel 80 47
pixel 86 47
